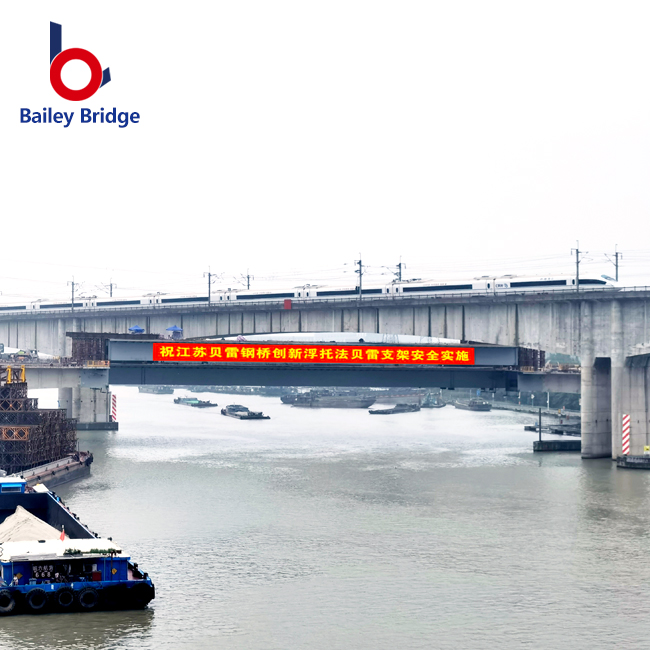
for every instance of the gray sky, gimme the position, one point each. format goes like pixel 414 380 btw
pixel 287 137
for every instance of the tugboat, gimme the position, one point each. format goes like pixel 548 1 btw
pixel 398 408
pixel 473 405
pixel 196 403
pixel 44 570
pixel 243 413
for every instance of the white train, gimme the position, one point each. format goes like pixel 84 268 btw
pixel 415 288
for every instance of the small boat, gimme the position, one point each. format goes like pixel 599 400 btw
pixel 243 413
pixel 398 408
pixel 473 405
pixel 51 562
pixel 196 403
pixel 430 402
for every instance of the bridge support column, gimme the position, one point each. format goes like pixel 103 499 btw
pixel 65 400
pixel 619 378
pixel 61 338
pixel 635 400
pixel 596 393
pixel 596 409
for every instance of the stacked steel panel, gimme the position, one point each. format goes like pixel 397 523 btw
pixel 30 436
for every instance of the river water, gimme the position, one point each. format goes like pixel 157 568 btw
pixel 333 529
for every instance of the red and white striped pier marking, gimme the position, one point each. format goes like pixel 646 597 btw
pixel 626 434
pixel 113 408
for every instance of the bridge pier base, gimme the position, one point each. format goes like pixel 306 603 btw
pixel 89 406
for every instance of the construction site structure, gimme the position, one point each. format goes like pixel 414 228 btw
pixel 29 436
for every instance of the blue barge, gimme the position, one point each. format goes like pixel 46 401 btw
pixel 72 570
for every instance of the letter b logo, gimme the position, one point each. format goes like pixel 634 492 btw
pixel 59 58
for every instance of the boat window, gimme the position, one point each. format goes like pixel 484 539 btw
pixel 11 488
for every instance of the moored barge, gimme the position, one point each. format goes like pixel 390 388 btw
pixel 51 562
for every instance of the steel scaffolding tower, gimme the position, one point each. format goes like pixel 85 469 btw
pixel 30 436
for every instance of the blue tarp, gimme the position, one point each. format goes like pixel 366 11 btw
pixel 174 328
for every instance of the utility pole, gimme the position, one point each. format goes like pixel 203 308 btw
pixel 578 260
pixel 72 284
pixel 210 281
pixel 399 270
pixel 107 287
pixel 248 277
pixel 617 255
pixel 359 263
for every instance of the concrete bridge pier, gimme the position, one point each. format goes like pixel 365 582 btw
pixel 634 401
pixel 91 407
pixel 596 408
pixel 596 393
pixel 618 377
pixel 65 400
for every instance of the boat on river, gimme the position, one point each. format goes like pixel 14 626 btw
pixel 196 403
pixel 156 390
pixel 399 396
pixel 243 413
pixel 473 405
pixel 330 399
pixel 398 408
pixel 51 562
pixel 430 402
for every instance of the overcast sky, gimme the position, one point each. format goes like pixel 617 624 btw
pixel 469 138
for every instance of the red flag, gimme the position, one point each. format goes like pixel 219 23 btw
pixel 62 538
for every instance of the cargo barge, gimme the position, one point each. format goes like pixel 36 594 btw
pixel 473 405
pixel 243 413
pixel 196 403
pixel 51 562
pixel 156 390
pixel 330 399
pixel 72 467
pixel 398 408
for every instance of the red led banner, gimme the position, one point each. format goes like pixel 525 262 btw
pixel 259 353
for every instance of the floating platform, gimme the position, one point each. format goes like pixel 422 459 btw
pixel 64 470
pixel 557 445
pixel 97 426
pixel 633 462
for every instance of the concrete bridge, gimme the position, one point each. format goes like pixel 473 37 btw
pixel 607 329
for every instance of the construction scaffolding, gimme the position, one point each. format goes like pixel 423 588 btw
pixel 30 436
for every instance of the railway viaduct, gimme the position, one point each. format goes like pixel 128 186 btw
pixel 607 329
